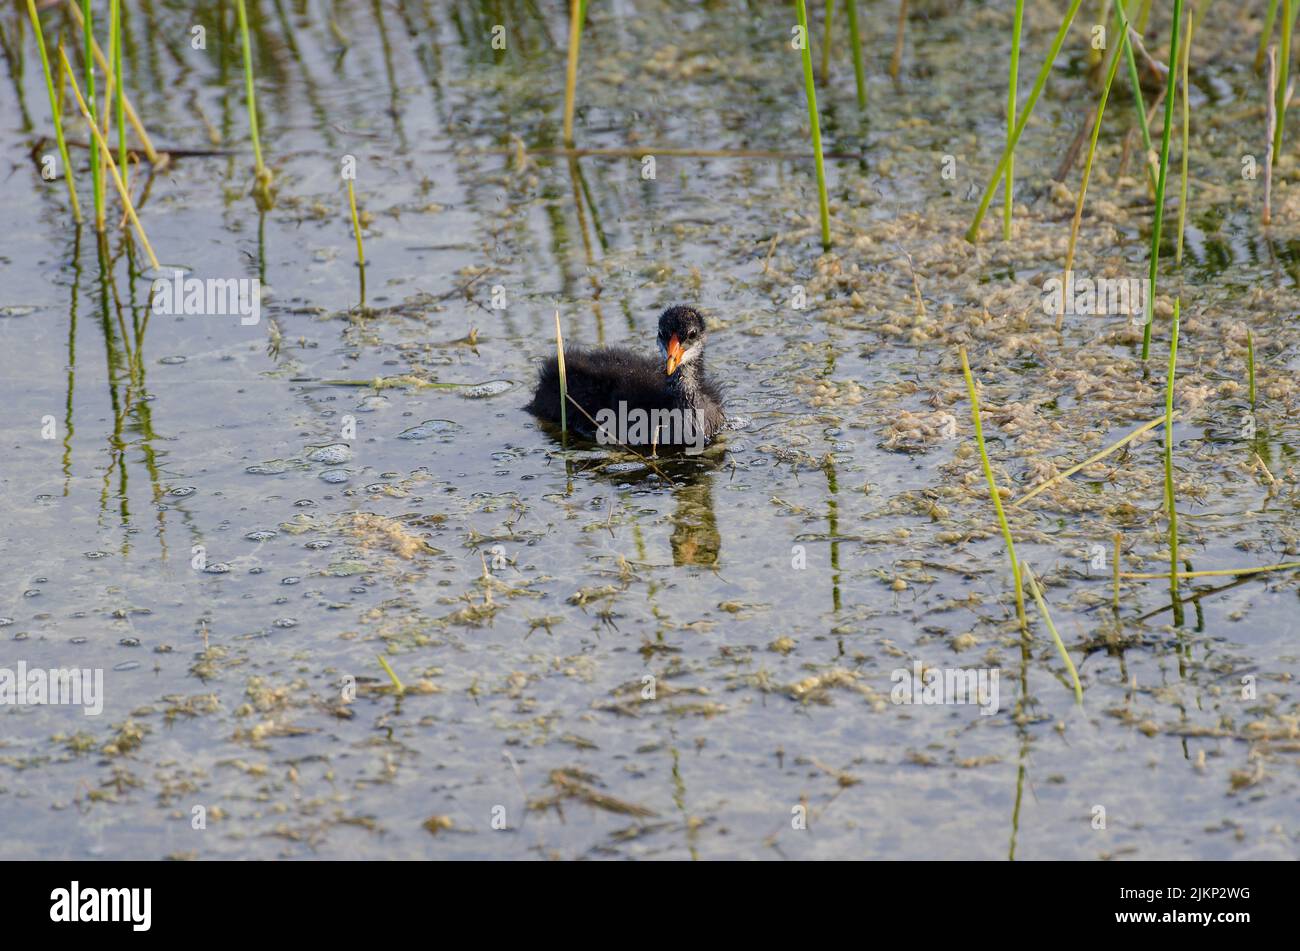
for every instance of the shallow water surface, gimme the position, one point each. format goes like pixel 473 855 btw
pixel 606 658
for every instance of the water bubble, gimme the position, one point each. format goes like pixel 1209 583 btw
pixel 332 455
pixel 335 476
pixel 172 361
pixel 95 555
pixel 483 390
pixel 218 568
pixel 286 622
pixel 17 310
pixel 127 665
pixel 318 545
pixel 290 580
pixel 129 642
pixel 181 491
pixel 272 467
pixel 431 427
pixel 261 535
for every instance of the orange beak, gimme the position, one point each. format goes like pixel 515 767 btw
pixel 674 354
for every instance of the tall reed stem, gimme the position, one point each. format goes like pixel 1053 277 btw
pixel 119 91
pixel 356 229
pixel 1158 222
pixel 108 158
pixel 1288 26
pixel 973 233
pixel 1013 82
pixel 1139 104
pixel 248 89
pixel 55 111
pixel 1169 456
pixel 859 71
pixel 993 491
pixel 96 175
pixel 1187 121
pixel 577 14
pixel 811 94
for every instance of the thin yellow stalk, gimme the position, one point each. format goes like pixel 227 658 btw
pixel 55 111
pixel 112 167
pixel 397 683
pixel 356 228
pixel 1209 573
pixel 145 142
pixel 993 491
pixel 571 76
pixel 1060 476
pixel 1013 82
pixel 564 380
pixel 1060 645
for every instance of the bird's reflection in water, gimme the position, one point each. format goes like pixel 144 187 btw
pixel 695 538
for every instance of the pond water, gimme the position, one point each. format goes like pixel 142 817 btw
pixel 605 658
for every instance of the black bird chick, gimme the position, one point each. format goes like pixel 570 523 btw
pixel 631 396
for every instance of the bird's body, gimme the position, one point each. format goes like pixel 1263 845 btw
pixel 631 397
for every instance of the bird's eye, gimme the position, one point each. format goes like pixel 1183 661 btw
pixel 690 335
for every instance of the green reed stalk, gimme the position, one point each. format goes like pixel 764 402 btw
pixel 96 176
pixel 972 234
pixel 356 229
pixel 859 71
pixel 1013 81
pixel 993 491
pixel 248 89
pixel 564 380
pixel 1265 35
pixel 1288 26
pixel 1187 120
pixel 1169 454
pixel 1250 365
pixel 119 90
pixel 1060 645
pixel 1158 223
pixel 1087 164
pixel 811 95
pixel 56 111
